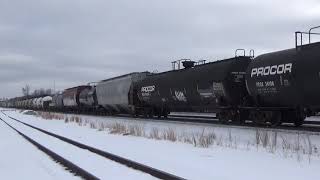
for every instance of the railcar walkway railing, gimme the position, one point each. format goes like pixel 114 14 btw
pixel 299 36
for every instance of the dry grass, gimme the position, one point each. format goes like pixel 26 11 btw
pixel 299 146
pixel 51 116
pixel 169 134
pixel 117 128
pixel 154 134
pixel 203 139
pixel 136 130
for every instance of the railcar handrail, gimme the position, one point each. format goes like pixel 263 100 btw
pixel 297 33
pixel 316 27
pixel 177 63
pixel 201 62
pixel 92 84
pixel 237 50
pixel 251 53
pixel 299 36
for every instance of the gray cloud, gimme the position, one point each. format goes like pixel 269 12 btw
pixel 77 41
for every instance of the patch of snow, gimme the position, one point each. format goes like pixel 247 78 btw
pixel 238 158
pixel 21 160
pixel 95 164
pixel 29 112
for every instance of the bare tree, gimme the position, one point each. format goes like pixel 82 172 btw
pixel 26 90
pixel 42 91
pixel 35 92
pixel 49 91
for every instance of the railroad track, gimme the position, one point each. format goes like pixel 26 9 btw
pixel 76 169
pixel 73 168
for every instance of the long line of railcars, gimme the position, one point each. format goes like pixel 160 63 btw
pixel 269 89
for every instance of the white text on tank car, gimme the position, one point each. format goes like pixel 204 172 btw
pixel 148 89
pixel 271 70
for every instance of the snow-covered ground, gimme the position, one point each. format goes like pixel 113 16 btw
pixel 194 151
pixel 21 160
pixel 96 165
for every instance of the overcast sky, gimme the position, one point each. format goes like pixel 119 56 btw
pixel 73 42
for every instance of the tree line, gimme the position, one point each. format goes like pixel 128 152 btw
pixel 26 91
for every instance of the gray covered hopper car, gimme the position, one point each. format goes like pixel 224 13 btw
pixel 71 96
pixel 116 94
pixel 57 102
pixel 88 98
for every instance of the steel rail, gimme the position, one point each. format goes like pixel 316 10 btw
pixel 73 168
pixel 124 161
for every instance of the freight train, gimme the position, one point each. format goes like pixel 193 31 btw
pixel 269 89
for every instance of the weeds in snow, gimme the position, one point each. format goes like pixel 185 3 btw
pixel 117 128
pixel 51 116
pixel 154 134
pixel 205 140
pixel 136 130
pixel 299 145
pixel 169 134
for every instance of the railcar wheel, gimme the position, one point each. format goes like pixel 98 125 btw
pixel 145 114
pixel 300 117
pixel 222 116
pixel 299 121
pixel 151 113
pixel 258 118
pixel 276 119
pixel 166 113
pixel 240 117
pixel 157 112
pixel 136 113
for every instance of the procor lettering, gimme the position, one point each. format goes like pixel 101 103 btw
pixel 148 89
pixel 271 70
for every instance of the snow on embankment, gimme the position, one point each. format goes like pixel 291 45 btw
pixel 193 151
pixel 22 160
